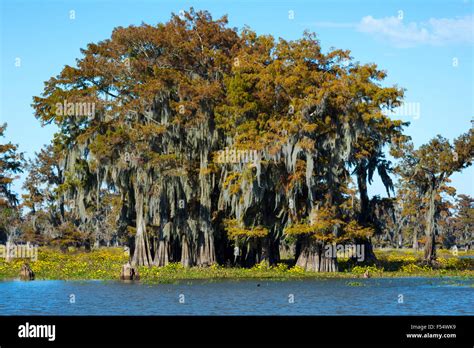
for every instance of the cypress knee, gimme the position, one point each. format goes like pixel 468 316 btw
pixel 129 273
pixel 26 273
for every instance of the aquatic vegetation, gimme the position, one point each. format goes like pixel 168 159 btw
pixel 414 268
pixel 296 270
pixel 261 266
pixel 454 263
pixel 281 267
pixel 106 263
pixel 53 264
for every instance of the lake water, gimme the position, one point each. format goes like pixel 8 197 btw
pixel 419 296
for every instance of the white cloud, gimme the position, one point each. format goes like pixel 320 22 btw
pixel 434 32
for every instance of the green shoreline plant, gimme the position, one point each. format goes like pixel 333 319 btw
pixel 105 264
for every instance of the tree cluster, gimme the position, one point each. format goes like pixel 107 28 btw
pixel 145 169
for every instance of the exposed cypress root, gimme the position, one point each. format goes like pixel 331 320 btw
pixel 206 254
pixel 129 273
pixel 187 255
pixel 162 253
pixel 312 258
pixel 328 264
pixel 430 251
pixel 142 254
pixel 26 273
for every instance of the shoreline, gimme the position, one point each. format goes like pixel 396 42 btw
pixel 352 279
pixel 106 263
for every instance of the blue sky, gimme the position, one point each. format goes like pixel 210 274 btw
pixel 426 47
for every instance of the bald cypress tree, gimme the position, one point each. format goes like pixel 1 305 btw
pixel 11 164
pixel 202 133
pixel 428 168
pixel 150 137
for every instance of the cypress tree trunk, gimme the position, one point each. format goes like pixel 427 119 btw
pixel 141 254
pixel 430 247
pixel 364 213
pixel 327 264
pixel 415 239
pixel 308 258
pixel 266 252
pixel 364 197
pixel 251 256
pixel 274 251
pixel 270 251
pixel 187 257
pixel 369 255
pixel 206 254
pixel 313 258
pixel 162 253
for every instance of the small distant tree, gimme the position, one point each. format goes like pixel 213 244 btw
pixel 463 221
pixel 68 235
pixel 43 207
pixel 429 168
pixel 11 163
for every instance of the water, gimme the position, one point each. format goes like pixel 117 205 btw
pixel 421 296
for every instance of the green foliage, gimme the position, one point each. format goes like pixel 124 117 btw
pixel 235 231
pixel 373 270
pixel 11 163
